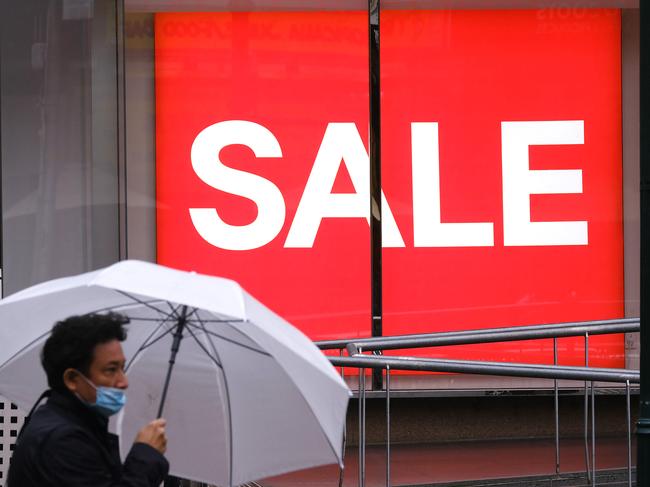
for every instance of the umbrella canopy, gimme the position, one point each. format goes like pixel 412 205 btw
pixel 250 396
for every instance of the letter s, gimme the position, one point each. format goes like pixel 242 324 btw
pixel 271 209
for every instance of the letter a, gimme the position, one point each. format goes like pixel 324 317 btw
pixel 341 142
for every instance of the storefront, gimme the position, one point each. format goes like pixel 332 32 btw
pixel 497 142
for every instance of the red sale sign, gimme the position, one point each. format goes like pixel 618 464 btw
pixel 501 172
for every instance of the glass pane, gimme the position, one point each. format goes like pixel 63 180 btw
pixel 59 144
pixel 260 153
pixel 506 167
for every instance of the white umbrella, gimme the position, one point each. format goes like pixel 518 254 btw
pixel 249 397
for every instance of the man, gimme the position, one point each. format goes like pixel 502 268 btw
pixel 66 442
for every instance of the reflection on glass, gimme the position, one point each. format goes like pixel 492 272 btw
pixel 59 121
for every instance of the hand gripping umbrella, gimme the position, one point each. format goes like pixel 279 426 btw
pixel 249 397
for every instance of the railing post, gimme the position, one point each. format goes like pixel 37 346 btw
pixel 557 414
pixel 362 426
pixel 388 426
pixel 588 469
pixel 363 430
pixel 345 429
pixel 593 433
pixel 629 434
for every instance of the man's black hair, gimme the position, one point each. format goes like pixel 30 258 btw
pixel 72 343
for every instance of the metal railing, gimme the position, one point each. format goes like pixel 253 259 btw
pixel 356 346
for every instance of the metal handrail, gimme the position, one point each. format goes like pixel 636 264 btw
pixel 535 371
pixel 355 347
pixel 486 335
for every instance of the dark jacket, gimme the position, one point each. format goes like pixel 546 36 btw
pixel 66 444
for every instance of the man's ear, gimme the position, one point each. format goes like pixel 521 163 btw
pixel 71 379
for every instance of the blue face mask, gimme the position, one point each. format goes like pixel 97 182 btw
pixel 109 400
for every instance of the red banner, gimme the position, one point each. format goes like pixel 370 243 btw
pixel 501 170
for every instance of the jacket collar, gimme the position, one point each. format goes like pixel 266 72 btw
pixel 79 412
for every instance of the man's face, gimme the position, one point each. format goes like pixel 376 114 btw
pixel 106 369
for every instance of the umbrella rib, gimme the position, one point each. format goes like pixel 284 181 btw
pixel 167 317
pixel 207 352
pixel 237 330
pixel 109 308
pixel 125 305
pixel 203 320
pixel 225 385
pixel 146 304
pixel 230 340
pixel 135 318
pixel 35 340
pixel 313 413
pixel 300 393
pixel 174 310
pixel 146 344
